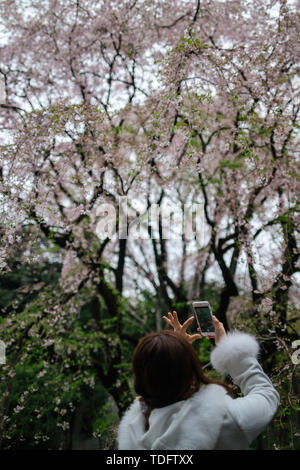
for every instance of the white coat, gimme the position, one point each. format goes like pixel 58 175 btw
pixel 210 418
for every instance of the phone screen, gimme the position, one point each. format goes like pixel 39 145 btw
pixel 205 320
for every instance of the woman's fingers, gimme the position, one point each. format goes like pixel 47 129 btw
pixel 171 321
pixel 171 318
pixel 167 320
pixel 176 319
pixel 194 337
pixel 174 322
pixel 219 330
pixel 187 323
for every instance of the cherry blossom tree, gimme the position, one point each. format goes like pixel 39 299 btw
pixel 243 144
pixel 154 102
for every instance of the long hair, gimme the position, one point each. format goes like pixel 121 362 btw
pixel 167 369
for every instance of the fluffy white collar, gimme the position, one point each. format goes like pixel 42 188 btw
pixel 188 424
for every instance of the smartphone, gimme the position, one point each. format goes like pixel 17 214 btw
pixel 203 315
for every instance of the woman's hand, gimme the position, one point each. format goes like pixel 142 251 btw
pixel 219 330
pixel 181 329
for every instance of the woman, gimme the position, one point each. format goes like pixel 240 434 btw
pixel 180 408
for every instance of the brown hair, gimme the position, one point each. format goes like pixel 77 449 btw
pixel 167 369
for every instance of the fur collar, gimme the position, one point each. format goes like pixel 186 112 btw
pixel 185 425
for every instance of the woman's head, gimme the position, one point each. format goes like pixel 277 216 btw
pixel 166 369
